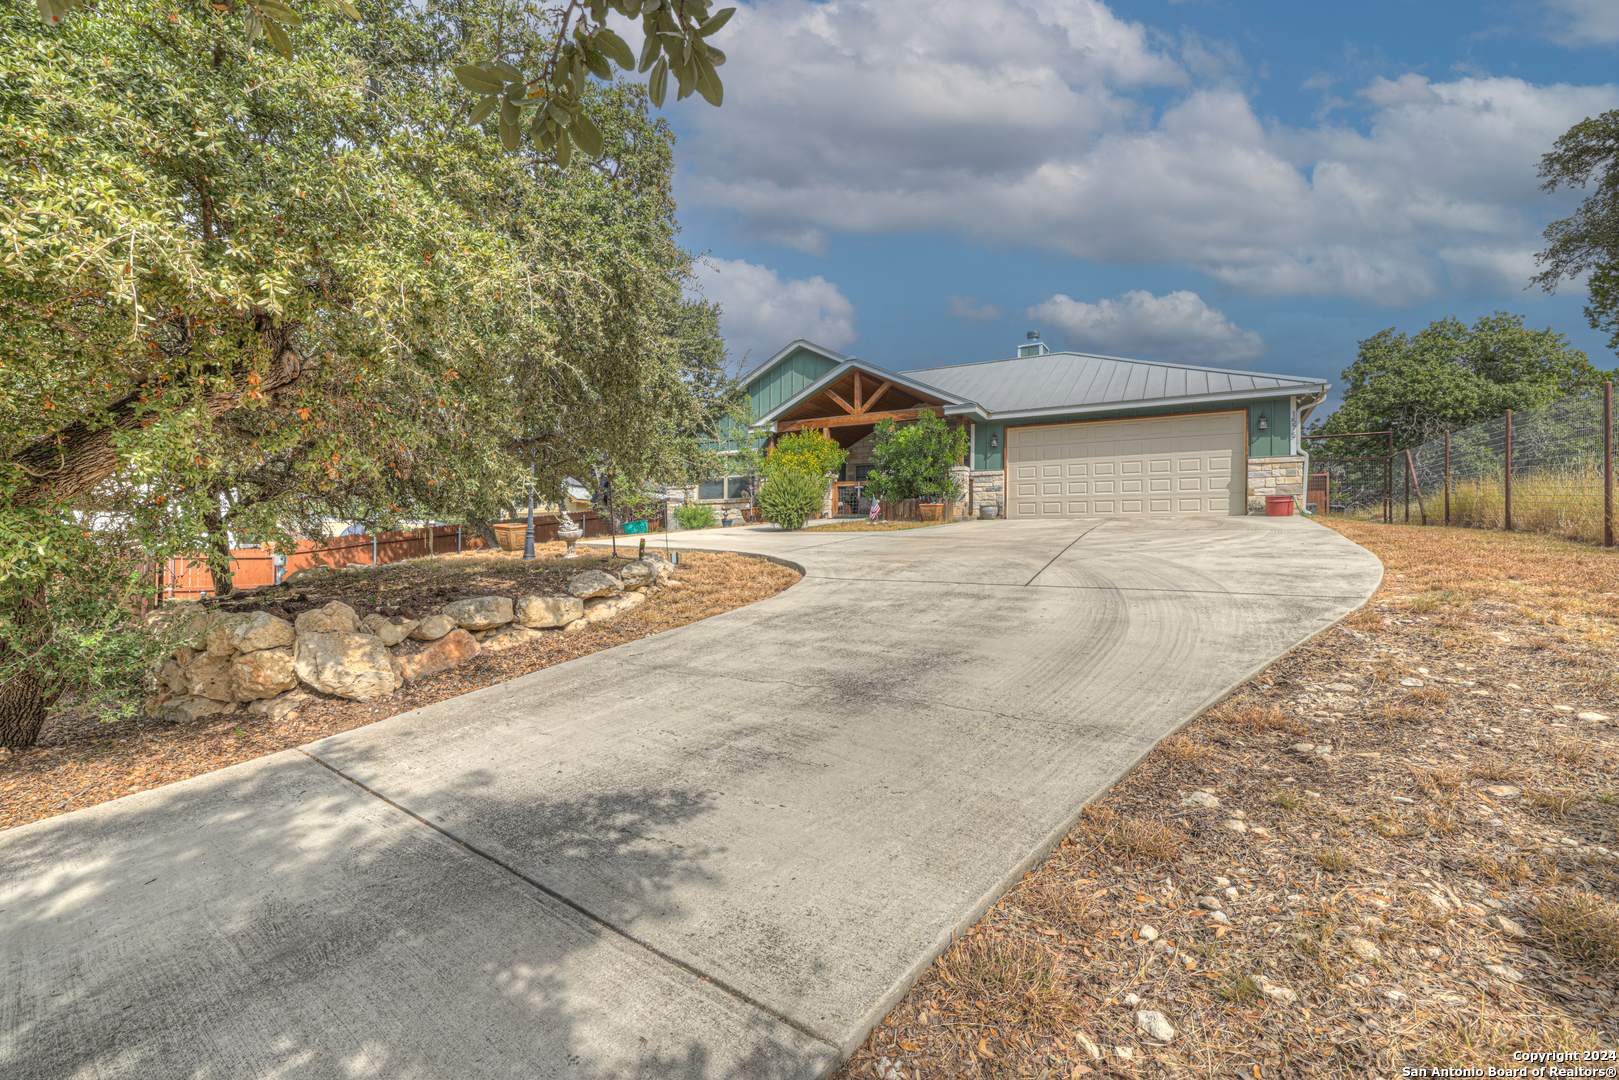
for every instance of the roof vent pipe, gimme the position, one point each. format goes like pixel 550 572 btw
pixel 1033 335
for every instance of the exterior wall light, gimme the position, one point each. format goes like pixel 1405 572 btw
pixel 994 442
pixel 1264 423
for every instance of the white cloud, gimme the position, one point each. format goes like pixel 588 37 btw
pixel 1027 122
pixel 761 312
pixel 1584 22
pixel 1178 326
pixel 968 309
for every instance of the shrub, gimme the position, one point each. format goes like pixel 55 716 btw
pixel 789 498
pixel 913 461
pixel 806 452
pixel 696 516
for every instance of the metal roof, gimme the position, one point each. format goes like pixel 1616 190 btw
pixel 1070 381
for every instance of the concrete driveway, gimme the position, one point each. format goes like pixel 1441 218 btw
pixel 723 851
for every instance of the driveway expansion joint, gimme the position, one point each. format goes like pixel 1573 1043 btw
pixel 717 983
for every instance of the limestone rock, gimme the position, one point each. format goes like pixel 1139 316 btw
pixel 450 650
pixel 480 613
pixel 1203 799
pixel 1366 949
pixel 170 675
pixel 1592 717
pixel 1149 933
pixel 1084 1042
pixel 389 631
pixel 1155 1025
pixel 1282 995
pixel 1209 903
pixel 335 618
pixel 610 607
pixel 549 610
pixel 308 574
pixel 432 628
pixel 1505 971
pixel 277 707
pixel 218 641
pixel 1510 927
pixel 510 637
pixel 642 571
pixel 207 676
pixel 351 665
pixel 594 583
pixel 188 707
pixel 263 673
pixel 261 630
pixel 1502 791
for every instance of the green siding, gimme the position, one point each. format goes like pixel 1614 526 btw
pixel 1270 443
pixel 1273 442
pixel 778 385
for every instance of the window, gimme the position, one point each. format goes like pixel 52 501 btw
pixel 725 488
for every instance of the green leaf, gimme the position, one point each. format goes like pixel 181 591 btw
pixel 720 19
pixel 509 134
pixel 558 113
pixel 478 80
pixel 564 149
pixel 48 12
pixel 598 65
pixel 253 26
pixel 649 50
pixel 708 82
pixel 510 111
pixel 614 46
pixel 510 74
pixel 587 135
pixel 349 9
pixel 279 12
pixel 279 41
pixel 485 107
pixel 716 57
pixel 658 85
pixel 686 76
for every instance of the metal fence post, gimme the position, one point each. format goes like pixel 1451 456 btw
pixel 1507 515
pixel 1447 477
pixel 1408 498
pixel 1388 483
pixel 1607 464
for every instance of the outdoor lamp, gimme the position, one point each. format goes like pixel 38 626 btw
pixel 994 442
pixel 1264 424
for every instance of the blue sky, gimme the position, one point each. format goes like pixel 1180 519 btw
pixel 1243 184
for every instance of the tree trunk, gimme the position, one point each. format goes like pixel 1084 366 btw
pixel 81 455
pixel 22 711
pixel 219 553
pixel 24 696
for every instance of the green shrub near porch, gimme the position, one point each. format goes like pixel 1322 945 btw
pixel 790 497
pixel 913 461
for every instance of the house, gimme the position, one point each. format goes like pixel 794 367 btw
pixel 1053 434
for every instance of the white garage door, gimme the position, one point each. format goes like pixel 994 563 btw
pixel 1151 467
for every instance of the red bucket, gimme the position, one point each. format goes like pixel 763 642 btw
pixel 1278 506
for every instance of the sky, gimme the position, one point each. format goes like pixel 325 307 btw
pixel 1242 184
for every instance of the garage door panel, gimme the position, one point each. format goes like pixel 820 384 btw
pixel 1160 466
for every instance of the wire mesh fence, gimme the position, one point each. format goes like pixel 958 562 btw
pixel 1547 469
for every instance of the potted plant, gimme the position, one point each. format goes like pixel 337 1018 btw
pixel 913 461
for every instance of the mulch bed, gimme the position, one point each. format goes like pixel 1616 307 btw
pixel 82 760
pixel 1417 912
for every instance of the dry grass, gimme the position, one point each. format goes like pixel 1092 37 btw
pixel 873 526
pixel 1392 840
pixel 1581 926
pixel 82 760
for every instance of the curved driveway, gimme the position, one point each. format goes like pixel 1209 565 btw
pixel 722 851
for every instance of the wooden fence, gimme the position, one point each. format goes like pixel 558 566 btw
pixel 911 510
pixel 183 576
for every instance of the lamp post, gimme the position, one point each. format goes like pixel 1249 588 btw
pixel 528 533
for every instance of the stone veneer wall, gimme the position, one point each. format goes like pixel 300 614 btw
pixel 989 489
pixel 1273 476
